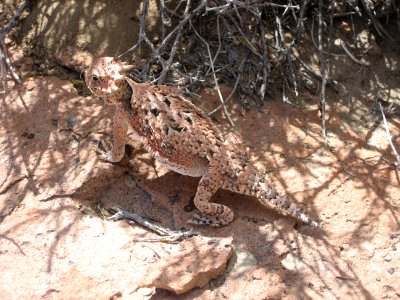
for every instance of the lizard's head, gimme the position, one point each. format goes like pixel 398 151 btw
pixel 106 79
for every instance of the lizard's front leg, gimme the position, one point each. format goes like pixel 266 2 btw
pixel 120 128
pixel 212 214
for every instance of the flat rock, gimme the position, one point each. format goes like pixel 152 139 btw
pixel 199 260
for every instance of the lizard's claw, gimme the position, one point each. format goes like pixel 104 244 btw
pixel 106 153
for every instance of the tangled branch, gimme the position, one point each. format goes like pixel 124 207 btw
pixel 5 60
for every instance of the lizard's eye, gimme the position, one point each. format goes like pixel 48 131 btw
pixel 95 78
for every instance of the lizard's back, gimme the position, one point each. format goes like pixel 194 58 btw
pixel 176 132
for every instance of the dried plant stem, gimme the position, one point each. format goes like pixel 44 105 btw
pixel 166 235
pixel 221 98
pixel 351 56
pixel 6 29
pixel 389 138
pixel 5 60
pixel 174 48
pixel 230 28
pixel 316 75
pixel 315 44
pixel 233 90
pixel 323 75
pixel 8 62
pixel 300 21
pixel 378 26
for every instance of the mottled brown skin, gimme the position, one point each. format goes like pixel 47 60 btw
pixel 181 137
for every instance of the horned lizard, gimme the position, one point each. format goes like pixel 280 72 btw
pixel 181 137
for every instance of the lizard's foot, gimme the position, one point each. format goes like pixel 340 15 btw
pixel 210 220
pixel 106 153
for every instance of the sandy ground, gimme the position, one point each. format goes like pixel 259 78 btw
pixel 55 244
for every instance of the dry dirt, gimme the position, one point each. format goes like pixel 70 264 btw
pixel 55 244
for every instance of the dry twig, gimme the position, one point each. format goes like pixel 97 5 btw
pixel 221 98
pixel 389 138
pixel 235 29
pixel 323 74
pixel 351 56
pixel 378 26
pixel 5 60
pixel 232 91
pixel 166 235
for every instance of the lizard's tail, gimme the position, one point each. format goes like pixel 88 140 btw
pixel 266 193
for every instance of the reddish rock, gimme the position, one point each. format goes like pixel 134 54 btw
pixel 199 260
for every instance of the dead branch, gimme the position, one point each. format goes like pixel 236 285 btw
pixel 5 60
pixel 166 235
pixel 10 25
pixel 329 81
pixel 322 64
pixel 378 26
pixel 351 56
pixel 221 98
pixel 232 91
pixel 205 42
pixel 174 48
pixel 389 138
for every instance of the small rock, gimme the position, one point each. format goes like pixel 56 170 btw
pixel 199 261
pixel 396 247
pixel 245 260
pixel 366 42
pixel 367 249
pixel 71 121
pixel 74 143
pixel 292 263
pixel 387 258
pixel 394 235
pixel 391 271
pixel 115 296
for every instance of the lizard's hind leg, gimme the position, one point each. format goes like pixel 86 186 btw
pixel 212 214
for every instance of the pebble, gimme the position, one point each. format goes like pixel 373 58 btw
pixel 387 258
pixel 391 271
pixel 292 263
pixel 245 260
